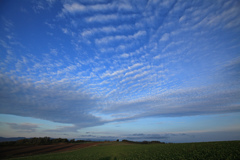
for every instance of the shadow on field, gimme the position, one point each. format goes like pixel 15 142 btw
pixel 107 158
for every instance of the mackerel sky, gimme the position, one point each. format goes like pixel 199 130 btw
pixel 120 69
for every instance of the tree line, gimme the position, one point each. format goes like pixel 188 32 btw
pixel 143 142
pixel 41 141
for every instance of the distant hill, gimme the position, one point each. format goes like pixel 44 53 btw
pixel 3 139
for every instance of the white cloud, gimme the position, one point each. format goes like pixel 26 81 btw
pixel 106 50
pixel 223 17
pixel 165 37
pixel 111 92
pixel 233 23
pixel 217 15
pixel 139 33
pixel 107 39
pixel 135 65
pixel 38 6
pixel 4 44
pixel 68 32
pixel 182 102
pixel 49 103
pixel 102 18
pixel 141 74
pixel 51 2
pixel 173 44
pixel 124 55
pixel 121 47
pixel 166 3
pixel 65 30
pixel 182 18
pixel 124 62
pixel 73 8
pixel 106 29
pixel 78 8
pixel 125 6
pixel 115 73
pixel 157 57
pixel 52 26
pixel 24 127
pixel 136 76
pixel 54 51
pixel 131 72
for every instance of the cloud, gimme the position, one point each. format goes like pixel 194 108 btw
pixel 39 6
pixel 103 18
pixel 223 17
pixel 75 7
pixel 107 39
pixel 139 33
pixel 182 18
pixel 73 128
pixel 78 8
pixel 188 136
pixel 222 14
pixel 106 29
pixel 124 55
pixel 157 57
pixel 135 65
pixel 133 137
pixel 97 137
pixel 165 37
pixel 165 137
pixel 8 24
pixel 177 103
pixel 57 104
pixel 176 137
pixel 147 137
pixel 115 73
pixel 121 72
pixel 65 30
pixel 23 127
pixel 51 1
pixel 136 76
pixel 118 59
pixel 232 69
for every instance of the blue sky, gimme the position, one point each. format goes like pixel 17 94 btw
pixel 137 70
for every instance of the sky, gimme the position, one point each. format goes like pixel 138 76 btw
pixel 126 69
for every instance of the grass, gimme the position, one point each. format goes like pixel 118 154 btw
pixel 125 151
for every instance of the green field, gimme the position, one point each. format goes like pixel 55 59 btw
pixel 121 150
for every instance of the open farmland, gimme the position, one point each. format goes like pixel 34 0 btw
pixel 120 150
pixel 28 150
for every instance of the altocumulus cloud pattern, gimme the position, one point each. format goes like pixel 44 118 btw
pixel 93 63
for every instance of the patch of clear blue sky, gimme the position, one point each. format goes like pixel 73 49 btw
pixel 179 129
pixel 19 119
pixel 203 123
pixel 41 126
pixel 6 118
